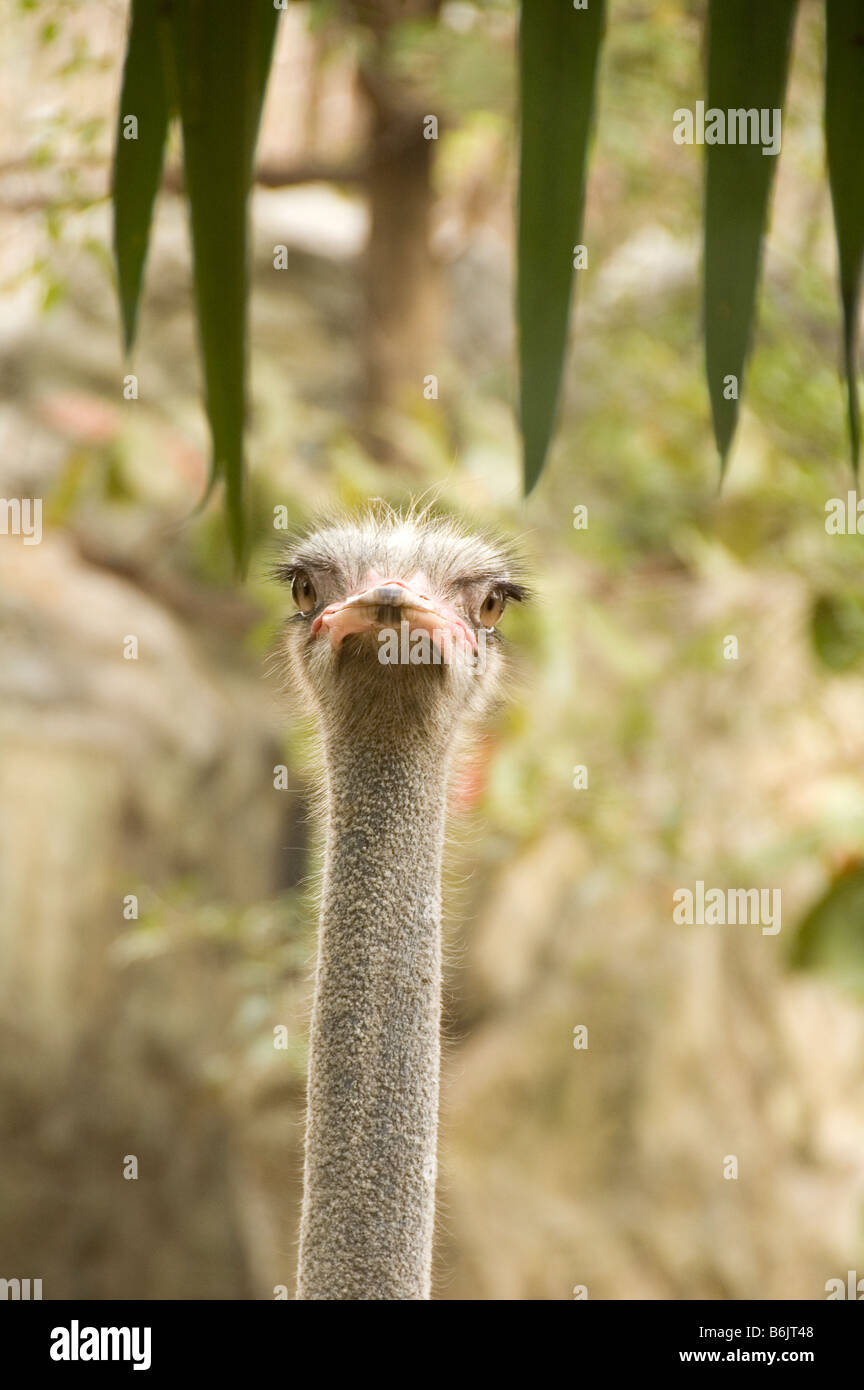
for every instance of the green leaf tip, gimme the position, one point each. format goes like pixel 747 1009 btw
pixel 142 125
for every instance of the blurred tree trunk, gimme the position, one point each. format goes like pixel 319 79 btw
pixel 403 285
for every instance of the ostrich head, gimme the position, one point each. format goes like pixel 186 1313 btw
pixel 396 622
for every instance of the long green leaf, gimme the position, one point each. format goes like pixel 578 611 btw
pixel 558 53
pixel 748 61
pixel 138 162
pixel 844 137
pixel 222 53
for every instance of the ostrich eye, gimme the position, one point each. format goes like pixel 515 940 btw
pixel 493 607
pixel 303 592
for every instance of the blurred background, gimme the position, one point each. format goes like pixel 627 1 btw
pixel 180 781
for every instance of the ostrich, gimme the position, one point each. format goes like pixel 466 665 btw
pixel 388 716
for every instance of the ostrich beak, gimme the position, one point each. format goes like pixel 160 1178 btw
pixel 387 603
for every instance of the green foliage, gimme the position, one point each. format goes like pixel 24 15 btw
pixel 844 136
pixel 831 937
pixel 138 162
pixel 213 60
pixel 748 61
pixel 211 63
pixel 558 52
pixel 837 629
pixel 223 56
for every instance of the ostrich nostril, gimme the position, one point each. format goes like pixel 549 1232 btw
pixel 390 595
pixel 389 600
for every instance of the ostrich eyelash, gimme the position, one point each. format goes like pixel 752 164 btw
pixel 508 588
pixel 286 571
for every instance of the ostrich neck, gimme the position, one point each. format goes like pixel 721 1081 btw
pixel 369 1193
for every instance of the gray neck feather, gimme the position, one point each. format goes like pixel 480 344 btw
pixel 369 1193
